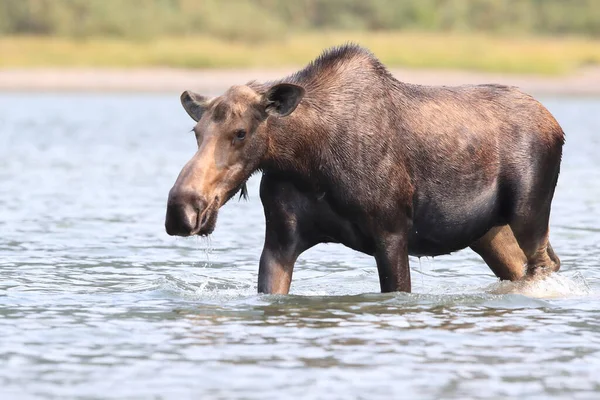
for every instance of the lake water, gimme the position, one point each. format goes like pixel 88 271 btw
pixel 96 301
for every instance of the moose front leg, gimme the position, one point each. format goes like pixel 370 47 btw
pixel 285 208
pixel 276 266
pixel 392 263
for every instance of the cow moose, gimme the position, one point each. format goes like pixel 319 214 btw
pixel 350 155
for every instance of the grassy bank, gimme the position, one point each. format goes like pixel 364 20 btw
pixel 535 55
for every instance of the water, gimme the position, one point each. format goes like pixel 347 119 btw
pixel 96 301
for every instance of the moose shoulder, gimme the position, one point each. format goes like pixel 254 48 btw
pixel 351 155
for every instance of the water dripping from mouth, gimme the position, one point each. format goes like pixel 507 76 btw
pixel 206 245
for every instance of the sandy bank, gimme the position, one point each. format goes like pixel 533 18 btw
pixel 585 82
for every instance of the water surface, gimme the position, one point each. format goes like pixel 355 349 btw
pixel 96 301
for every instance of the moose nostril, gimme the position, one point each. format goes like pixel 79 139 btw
pixel 179 220
pixel 186 198
pixel 184 210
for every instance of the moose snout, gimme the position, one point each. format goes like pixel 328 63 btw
pixel 184 208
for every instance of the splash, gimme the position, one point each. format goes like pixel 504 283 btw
pixel 200 288
pixel 550 287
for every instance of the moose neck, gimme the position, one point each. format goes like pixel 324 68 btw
pixel 298 144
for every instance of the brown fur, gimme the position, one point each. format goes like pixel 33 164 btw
pixel 352 155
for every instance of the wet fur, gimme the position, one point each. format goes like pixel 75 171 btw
pixel 390 169
pixel 452 159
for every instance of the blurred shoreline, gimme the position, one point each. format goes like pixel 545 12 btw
pixel 213 81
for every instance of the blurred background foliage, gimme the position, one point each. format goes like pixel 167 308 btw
pixel 269 19
pixel 526 36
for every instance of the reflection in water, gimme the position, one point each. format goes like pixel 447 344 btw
pixel 96 300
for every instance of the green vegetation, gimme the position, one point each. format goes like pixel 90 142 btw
pixel 419 50
pixel 530 36
pixel 267 19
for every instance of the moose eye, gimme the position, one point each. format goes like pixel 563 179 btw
pixel 240 134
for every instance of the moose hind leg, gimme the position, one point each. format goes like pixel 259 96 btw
pixel 532 235
pixel 554 258
pixel 502 253
pixel 531 203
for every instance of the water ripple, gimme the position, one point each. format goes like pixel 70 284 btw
pixel 97 301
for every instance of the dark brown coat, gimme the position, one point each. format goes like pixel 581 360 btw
pixel 351 155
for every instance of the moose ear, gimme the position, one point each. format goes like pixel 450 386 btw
pixel 194 104
pixel 280 100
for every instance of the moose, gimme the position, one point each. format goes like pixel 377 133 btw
pixel 351 155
